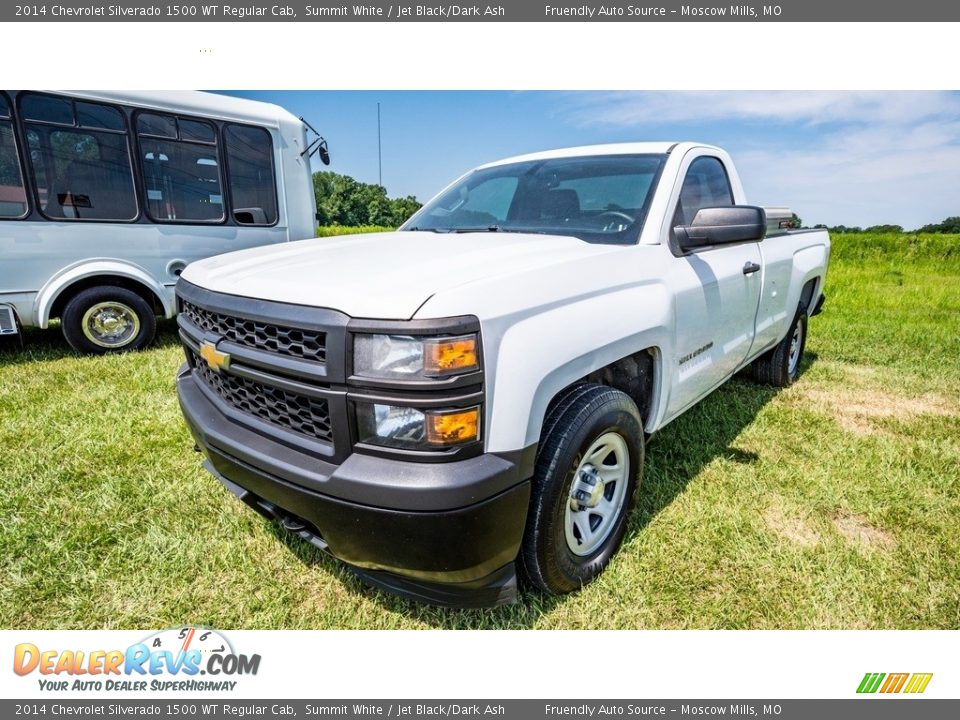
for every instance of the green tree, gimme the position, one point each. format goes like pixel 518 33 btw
pixel 403 208
pixel 950 225
pixel 341 200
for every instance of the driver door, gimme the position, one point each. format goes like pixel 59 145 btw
pixel 717 291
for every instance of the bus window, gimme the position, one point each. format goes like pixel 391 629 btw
pixel 80 159
pixel 158 125
pixel 13 198
pixel 90 115
pixel 181 171
pixel 253 191
pixel 197 131
pixel 47 109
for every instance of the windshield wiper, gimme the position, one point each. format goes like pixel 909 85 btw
pixel 426 229
pixel 458 230
pixel 488 228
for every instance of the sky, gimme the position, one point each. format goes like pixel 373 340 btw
pixel 837 158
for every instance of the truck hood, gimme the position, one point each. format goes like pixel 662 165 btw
pixel 381 275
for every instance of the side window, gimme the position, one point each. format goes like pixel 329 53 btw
pixel 13 198
pixel 181 169
pixel 253 189
pixel 80 159
pixel 706 185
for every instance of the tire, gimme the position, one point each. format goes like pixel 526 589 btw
pixel 569 540
pixel 780 366
pixel 108 319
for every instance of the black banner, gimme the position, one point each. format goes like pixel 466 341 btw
pixel 508 10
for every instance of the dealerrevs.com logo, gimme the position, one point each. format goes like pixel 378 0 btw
pixel 172 660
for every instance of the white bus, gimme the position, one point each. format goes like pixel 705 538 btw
pixel 105 197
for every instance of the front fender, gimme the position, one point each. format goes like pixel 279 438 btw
pixel 91 268
pixel 535 357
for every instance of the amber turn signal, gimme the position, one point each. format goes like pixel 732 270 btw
pixel 453 428
pixel 451 355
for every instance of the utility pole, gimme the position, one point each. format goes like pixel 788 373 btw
pixel 379 150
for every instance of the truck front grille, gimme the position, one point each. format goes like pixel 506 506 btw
pixel 299 413
pixel 293 342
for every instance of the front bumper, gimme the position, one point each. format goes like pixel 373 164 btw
pixel 443 533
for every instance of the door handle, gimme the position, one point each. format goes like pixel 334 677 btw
pixel 750 268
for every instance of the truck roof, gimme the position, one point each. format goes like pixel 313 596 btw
pixel 634 148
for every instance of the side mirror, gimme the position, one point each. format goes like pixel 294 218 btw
pixel 722 226
pixel 324 152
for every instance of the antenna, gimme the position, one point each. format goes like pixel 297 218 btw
pixel 379 150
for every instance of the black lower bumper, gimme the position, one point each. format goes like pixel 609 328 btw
pixel 457 556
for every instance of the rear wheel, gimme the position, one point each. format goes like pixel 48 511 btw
pixel 584 486
pixel 781 365
pixel 108 319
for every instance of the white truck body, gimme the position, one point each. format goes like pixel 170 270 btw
pixel 466 401
pixel 552 308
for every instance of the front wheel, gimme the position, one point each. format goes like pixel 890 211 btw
pixel 108 319
pixel 588 469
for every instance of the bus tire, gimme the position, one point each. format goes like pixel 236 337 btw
pixel 108 319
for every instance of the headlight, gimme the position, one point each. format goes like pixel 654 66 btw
pixel 402 357
pixel 413 429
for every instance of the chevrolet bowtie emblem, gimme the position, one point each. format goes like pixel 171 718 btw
pixel 214 358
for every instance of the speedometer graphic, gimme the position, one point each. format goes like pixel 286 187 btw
pixel 189 637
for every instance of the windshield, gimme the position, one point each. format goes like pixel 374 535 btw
pixel 601 199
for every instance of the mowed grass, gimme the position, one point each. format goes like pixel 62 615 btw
pixel 833 504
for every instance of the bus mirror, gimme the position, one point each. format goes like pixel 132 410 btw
pixel 319 145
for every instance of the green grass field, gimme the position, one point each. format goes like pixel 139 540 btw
pixel 833 504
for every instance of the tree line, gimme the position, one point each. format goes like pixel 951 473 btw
pixel 341 200
pixel 950 225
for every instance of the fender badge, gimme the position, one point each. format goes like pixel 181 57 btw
pixel 214 358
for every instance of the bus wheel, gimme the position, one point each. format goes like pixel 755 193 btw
pixel 108 319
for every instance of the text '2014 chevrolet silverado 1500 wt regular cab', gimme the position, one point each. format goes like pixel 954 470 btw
pixel 467 399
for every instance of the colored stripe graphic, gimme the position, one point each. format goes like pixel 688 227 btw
pixel 870 682
pixel 894 682
pixel 918 683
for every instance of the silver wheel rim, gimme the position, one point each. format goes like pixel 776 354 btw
pixel 597 494
pixel 110 324
pixel 796 341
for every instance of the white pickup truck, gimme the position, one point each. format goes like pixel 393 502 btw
pixel 466 400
